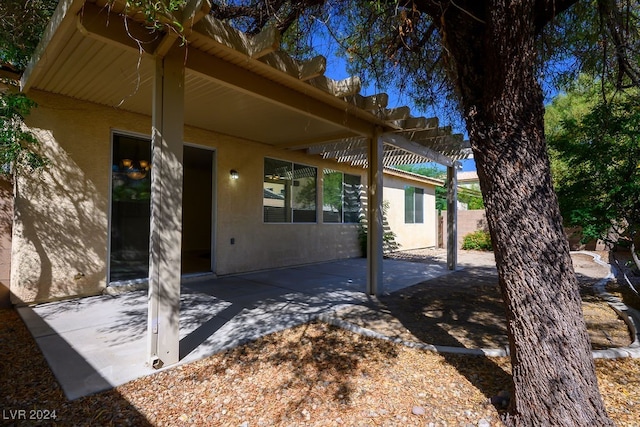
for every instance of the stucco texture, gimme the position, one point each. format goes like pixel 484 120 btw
pixel 61 221
pixel 59 242
pixel 410 236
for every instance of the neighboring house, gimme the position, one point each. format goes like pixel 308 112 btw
pixel 469 193
pixel 259 161
pixel 469 179
pixel 412 213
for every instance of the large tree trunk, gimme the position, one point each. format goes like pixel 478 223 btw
pixel 492 56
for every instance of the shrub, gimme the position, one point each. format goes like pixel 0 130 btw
pixel 478 240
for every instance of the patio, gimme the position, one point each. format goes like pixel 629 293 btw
pixel 96 343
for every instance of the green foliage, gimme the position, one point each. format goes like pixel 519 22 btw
pixel 394 44
pixel 429 170
pixel 596 163
pixel 601 39
pixel 472 197
pixel 17 144
pixel 159 15
pixel 479 240
pixel 306 195
pixel 441 199
pixel 332 190
pixel 21 26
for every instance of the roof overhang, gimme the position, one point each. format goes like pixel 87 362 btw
pixel 235 84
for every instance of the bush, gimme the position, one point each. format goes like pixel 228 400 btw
pixel 478 240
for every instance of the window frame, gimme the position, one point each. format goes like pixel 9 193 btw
pixel 416 196
pixel 343 196
pixel 289 205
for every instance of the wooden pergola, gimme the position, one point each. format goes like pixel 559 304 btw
pixel 104 53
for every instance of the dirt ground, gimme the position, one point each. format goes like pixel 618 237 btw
pixel 466 309
pixel 319 375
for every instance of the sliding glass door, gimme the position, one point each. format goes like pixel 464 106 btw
pixel 130 209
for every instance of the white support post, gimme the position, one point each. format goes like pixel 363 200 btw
pixel 374 216
pixel 452 216
pixel 166 210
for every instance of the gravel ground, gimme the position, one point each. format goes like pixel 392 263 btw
pixel 465 308
pixel 314 374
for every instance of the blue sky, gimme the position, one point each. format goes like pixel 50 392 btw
pixel 336 69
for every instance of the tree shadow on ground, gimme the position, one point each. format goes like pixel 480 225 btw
pixel 465 310
pixel 29 385
pixel 313 356
pixel 427 312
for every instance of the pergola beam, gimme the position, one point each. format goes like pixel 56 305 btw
pixel 338 88
pixel 318 142
pixel 413 147
pixel 369 103
pixel 413 124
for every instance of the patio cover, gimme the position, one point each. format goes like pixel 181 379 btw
pixel 219 79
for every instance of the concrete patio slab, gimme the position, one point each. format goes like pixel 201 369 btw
pixel 96 343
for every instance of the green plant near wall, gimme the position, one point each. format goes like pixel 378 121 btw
pixel 389 243
pixel 478 241
pixel 158 15
pixel 17 143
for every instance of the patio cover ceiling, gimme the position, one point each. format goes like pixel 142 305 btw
pixel 234 84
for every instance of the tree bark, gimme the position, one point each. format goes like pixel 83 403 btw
pixel 492 59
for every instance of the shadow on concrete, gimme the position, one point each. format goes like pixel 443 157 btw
pixel 109 332
pixel 31 395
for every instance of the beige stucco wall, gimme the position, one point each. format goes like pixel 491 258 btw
pixel 59 245
pixel 6 224
pixel 410 236
pixel 60 233
pixel 469 221
pixel 258 245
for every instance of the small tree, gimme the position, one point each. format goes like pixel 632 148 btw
pixel 17 143
pixel 597 160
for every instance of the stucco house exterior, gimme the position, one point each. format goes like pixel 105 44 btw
pixel 217 154
pixel 469 179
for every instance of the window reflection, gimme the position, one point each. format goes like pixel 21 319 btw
pixel 289 192
pixel 130 208
pixel 340 197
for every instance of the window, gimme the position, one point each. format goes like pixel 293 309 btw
pixel 289 192
pixel 413 205
pixel 340 197
pixel 130 208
